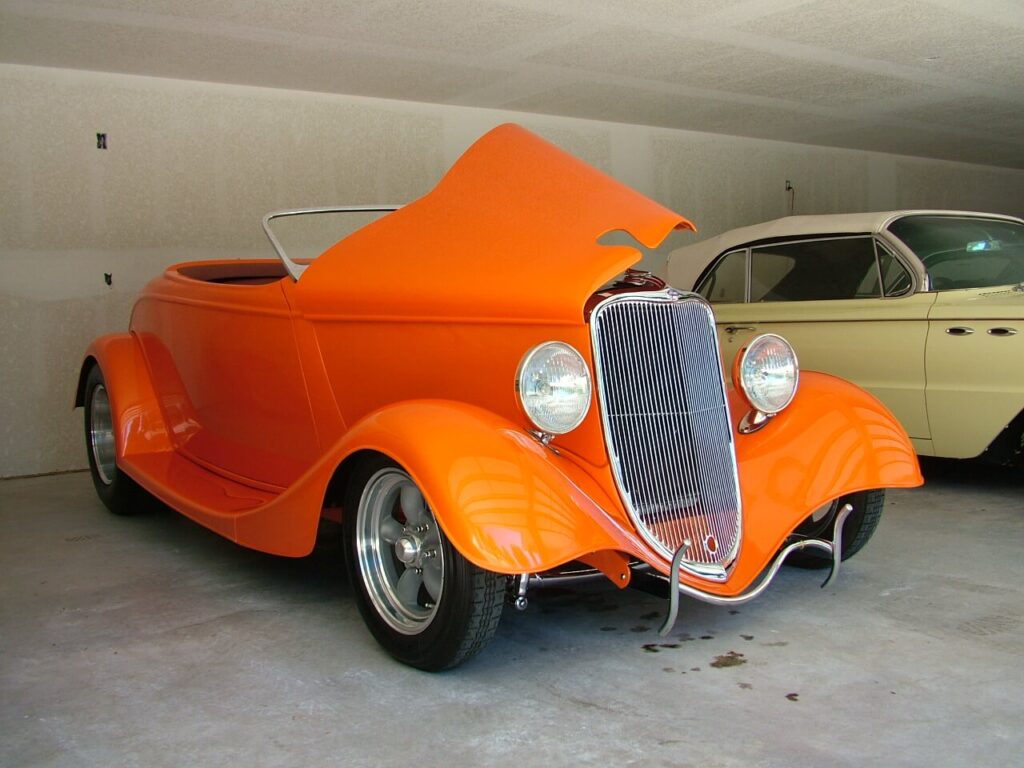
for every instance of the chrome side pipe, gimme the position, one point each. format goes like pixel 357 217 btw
pixel 834 548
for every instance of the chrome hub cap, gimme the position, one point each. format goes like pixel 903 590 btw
pixel 399 550
pixel 407 549
pixel 101 435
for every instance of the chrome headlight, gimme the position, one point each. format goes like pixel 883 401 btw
pixel 554 387
pixel 768 373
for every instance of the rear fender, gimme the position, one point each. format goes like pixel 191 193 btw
pixel 138 422
pixel 507 503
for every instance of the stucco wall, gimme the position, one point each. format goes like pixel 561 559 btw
pixel 191 167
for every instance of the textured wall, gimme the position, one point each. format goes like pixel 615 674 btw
pixel 191 167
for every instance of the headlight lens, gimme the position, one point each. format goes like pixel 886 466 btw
pixel 769 373
pixel 554 387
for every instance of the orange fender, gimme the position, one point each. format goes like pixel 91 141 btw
pixel 834 439
pixel 507 503
pixel 138 422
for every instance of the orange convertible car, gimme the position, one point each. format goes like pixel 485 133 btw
pixel 488 399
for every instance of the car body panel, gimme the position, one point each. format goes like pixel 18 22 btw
pixel 404 339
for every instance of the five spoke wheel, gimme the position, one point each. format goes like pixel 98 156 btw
pixel 425 603
pixel 400 553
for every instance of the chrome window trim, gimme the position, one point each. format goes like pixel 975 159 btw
pixel 293 268
pixel 712 572
pixel 902 261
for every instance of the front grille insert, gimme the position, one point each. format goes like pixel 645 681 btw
pixel 667 425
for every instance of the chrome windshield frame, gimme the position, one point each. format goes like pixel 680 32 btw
pixel 293 268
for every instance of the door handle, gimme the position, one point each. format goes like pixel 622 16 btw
pixel 737 328
pixel 1002 331
pixel 959 330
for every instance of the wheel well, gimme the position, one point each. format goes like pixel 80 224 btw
pixel 334 496
pixel 1008 447
pixel 87 365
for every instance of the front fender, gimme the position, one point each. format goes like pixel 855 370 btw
pixel 507 503
pixel 833 440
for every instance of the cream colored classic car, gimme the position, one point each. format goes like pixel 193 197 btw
pixel 925 309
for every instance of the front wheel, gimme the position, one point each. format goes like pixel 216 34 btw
pixel 425 603
pixel 857 530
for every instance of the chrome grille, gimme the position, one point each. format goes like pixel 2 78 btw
pixel 666 423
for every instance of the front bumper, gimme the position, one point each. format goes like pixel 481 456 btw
pixel 833 548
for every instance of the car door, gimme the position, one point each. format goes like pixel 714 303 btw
pixel 225 364
pixel 975 368
pixel 845 303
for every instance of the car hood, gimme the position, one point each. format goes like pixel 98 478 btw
pixel 996 303
pixel 509 234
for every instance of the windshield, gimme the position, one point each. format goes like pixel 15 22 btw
pixel 965 252
pixel 299 236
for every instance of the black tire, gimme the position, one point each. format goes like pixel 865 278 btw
pixel 116 490
pixel 857 530
pixel 450 608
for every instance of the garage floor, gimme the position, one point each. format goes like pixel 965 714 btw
pixel 149 641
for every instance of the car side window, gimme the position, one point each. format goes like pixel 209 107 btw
pixel 815 270
pixel 727 282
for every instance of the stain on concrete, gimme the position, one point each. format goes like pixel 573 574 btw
pixel 730 659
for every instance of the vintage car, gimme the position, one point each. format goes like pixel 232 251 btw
pixel 924 309
pixel 487 400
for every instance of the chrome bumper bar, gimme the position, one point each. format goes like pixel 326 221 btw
pixel 833 548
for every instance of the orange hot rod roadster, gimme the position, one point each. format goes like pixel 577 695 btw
pixel 491 400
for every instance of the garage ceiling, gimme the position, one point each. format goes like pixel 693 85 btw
pixel 936 78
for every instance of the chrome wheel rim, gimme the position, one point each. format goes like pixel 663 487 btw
pixel 401 560
pixel 101 435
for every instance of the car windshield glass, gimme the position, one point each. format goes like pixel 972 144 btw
pixel 965 252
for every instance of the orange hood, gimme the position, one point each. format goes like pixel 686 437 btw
pixel 509 233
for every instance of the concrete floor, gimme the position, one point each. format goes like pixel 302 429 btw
pixel 149 641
